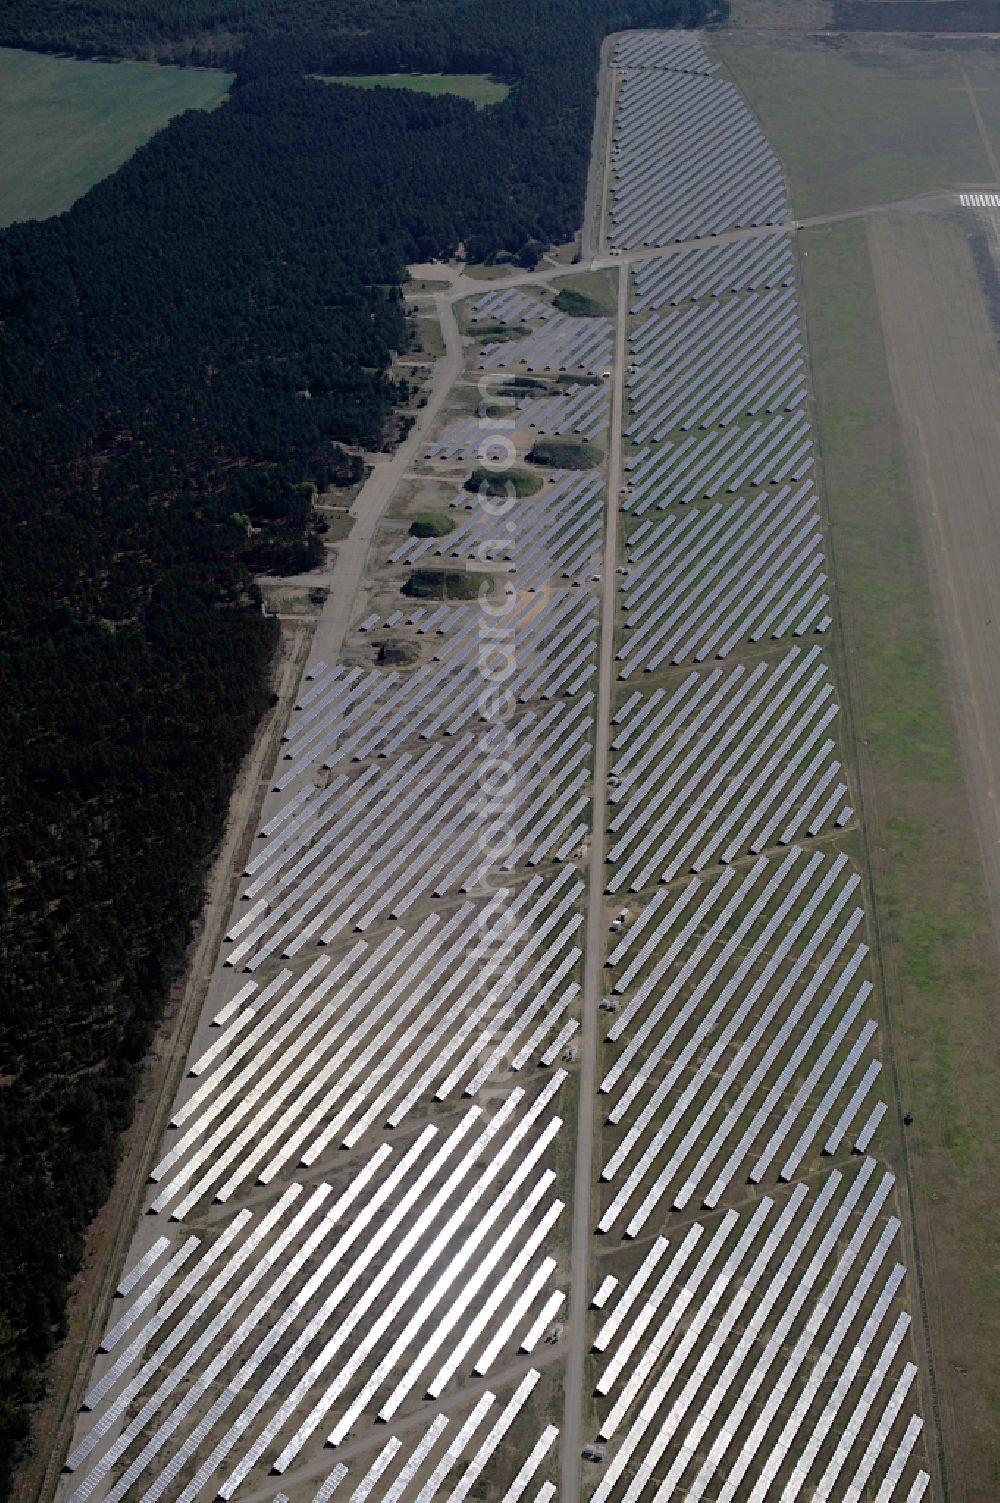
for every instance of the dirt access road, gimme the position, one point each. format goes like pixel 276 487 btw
pixel 580 1257
pixel 372 501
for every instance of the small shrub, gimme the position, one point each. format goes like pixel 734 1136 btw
pixel 442 584
pixel 498 482
pixel 432 524
pixel 579 304
pixel 566 454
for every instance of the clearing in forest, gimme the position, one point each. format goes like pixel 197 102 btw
pixel 477 87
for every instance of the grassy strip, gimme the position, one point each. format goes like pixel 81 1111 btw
pixel 937 950
pixel 856 124
pixel 579 304
pixel 426 337
pixel 500 330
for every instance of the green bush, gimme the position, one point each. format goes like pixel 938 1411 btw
pixel 566 454
pixel 432 524
pixel 442 584
pixel 501 331
pixel 579 304
pixel 498 482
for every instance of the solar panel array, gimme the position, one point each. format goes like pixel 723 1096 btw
pixel 701 584
pixel 368 852
pixel 749 1335
pixel 331 1305
pixel 316 1060
pixel 509 305
pixel 723 765
pixel 574 409
pixel 765 1354
pixel 461 440
pixel 741 1041
pixel 743 265
pixel 356 714
pixel 442 1456
pixel 561 343
pixel 689 159
pixel 558 534
pixel 359 1204
pixel 578 409
pixel 665 49
pixel 715 362
pixel 408 992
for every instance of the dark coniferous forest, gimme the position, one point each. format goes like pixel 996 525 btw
pixel 190 346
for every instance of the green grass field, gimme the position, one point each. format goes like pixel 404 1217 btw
pixel 931 906
pixel 65 124
pixel 477 87
pixel 862 124
pixel 599 287
pixel 981 73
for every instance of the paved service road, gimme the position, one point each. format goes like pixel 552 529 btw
pixel 462 285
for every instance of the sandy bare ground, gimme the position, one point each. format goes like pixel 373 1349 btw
pixel 372 501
